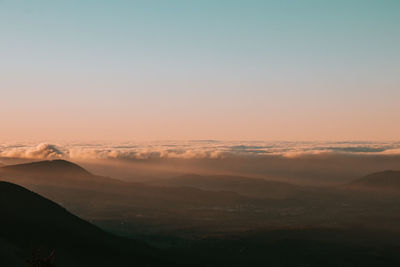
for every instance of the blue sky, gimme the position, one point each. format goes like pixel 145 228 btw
pixel 200 69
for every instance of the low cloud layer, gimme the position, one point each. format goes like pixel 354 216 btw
pixel 312 163
pixel 192 149
pixel 41 151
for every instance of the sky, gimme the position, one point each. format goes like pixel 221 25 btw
pixel 184 70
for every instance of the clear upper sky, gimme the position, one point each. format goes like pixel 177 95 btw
pixel 220 69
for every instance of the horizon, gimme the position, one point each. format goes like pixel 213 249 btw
pixel 192 149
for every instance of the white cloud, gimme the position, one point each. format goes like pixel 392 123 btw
pixel 41 151
pixel 193 149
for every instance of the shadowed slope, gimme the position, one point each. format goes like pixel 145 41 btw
pixel 30 221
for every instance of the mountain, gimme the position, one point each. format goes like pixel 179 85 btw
pixel 52 166
pixel 31 222
pixel 251 187
pixel 380 181
pixel 59 173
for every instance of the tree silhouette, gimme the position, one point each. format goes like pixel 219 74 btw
pixel 38 261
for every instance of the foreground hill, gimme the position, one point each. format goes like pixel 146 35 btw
pixel 29 222
pixel 251 187
pixel 380 181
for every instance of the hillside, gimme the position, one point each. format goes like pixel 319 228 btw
pixel 60 173
pixel 31 222
pixel 386 180
pixel 50 166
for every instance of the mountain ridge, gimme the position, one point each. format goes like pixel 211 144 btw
pixel 58 165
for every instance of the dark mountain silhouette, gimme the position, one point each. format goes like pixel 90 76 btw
pixel 60 173
pixel 29 221
pixel 58 166
pixel 252 187
pixel 386 181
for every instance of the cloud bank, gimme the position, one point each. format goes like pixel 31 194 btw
pixel 41 151
pixel 192 149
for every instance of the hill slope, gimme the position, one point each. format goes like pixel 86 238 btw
pixel 60 173
pixel 386 180
pixel 30 221
pixel 49 166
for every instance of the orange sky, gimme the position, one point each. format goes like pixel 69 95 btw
pixel 232 70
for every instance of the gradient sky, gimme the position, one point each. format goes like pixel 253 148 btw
pixel 206 69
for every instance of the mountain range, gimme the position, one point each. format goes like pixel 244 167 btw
pixel 179 215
